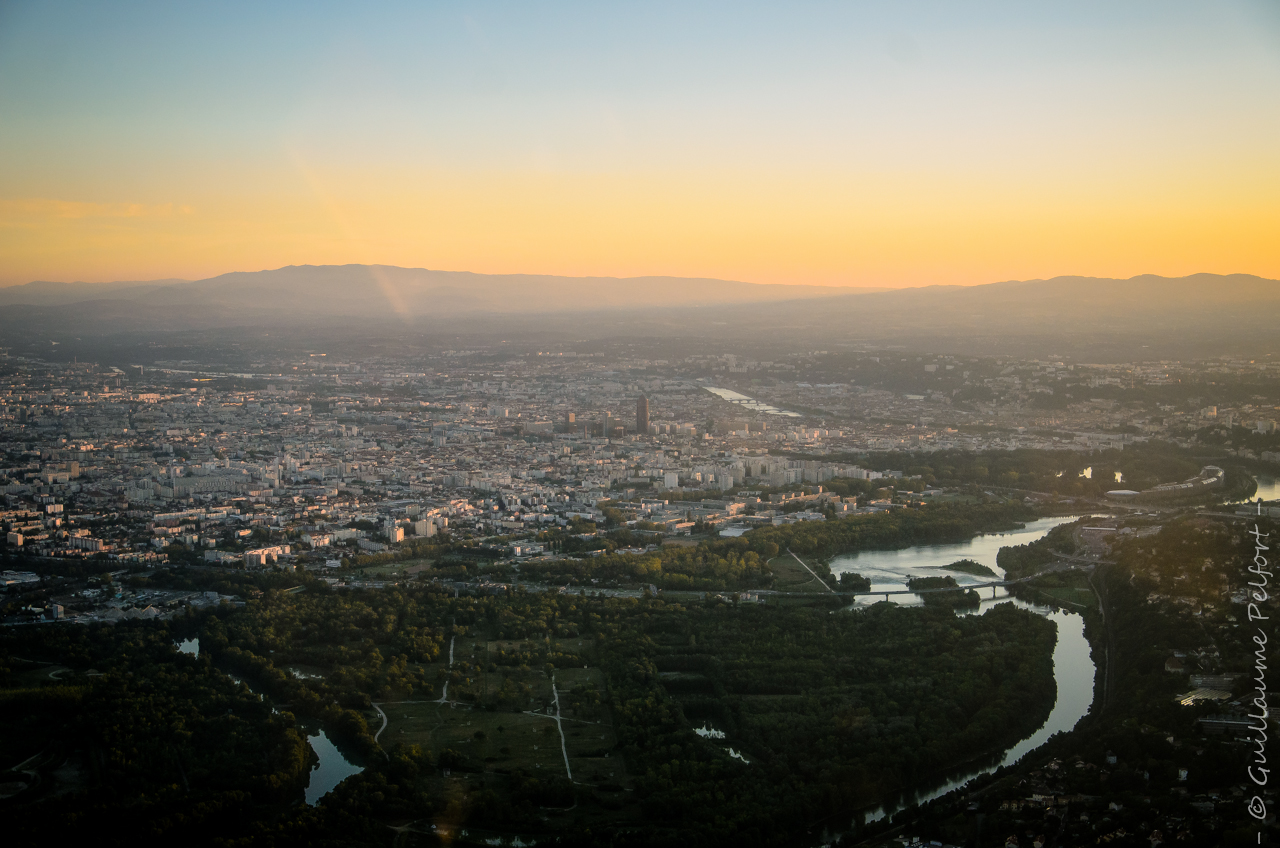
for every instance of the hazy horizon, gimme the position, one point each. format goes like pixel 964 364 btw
pixel 795 283
pixel 886 146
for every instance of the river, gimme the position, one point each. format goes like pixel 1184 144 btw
pixel 889 571
pixel 750 403
pixel 331 767
pixel 1073 672
pixel 1073 667
pixel 1268 487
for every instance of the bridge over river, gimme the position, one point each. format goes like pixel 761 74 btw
pixel 1065 562
pixel 992 584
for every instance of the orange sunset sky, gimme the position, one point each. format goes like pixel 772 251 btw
pixel 886 144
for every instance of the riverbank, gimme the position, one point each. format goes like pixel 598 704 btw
pixel 1074 671
pixel 330 766
pixel 1148 761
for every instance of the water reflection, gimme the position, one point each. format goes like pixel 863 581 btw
pixel 889 571
pixel 1073 668
pixel 332 768
pixel 750 403
pixel 1268 488
pixel 1073 672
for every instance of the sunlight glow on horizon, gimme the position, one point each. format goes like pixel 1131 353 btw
pixel 869 146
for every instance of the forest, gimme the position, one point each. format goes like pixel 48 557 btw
pixel 124 730
pixel 832 712
pixel 824 710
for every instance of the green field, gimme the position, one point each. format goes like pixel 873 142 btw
pixel 791 576
pixel 506 740
pixel 32 674
pixel 1068 588
pixel 1072 596
pixel 395 570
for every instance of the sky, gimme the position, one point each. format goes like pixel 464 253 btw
pixel 857 144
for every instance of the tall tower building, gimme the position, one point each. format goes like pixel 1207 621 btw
pixel 642 415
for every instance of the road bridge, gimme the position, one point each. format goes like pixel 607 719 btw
pixel 1075 561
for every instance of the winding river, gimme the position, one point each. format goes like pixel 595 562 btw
pixel 1073 667
pixel 331 767
pixel 1073 671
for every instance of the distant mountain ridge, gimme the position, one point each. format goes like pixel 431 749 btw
pixel 1201 314
pixel 369 289
pixel 47 293
pixel 1178 313
pixel 359 290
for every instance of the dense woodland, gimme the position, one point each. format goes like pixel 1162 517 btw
pixel 138 734
pixel 831 709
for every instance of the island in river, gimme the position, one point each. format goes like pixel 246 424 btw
pixel 968 566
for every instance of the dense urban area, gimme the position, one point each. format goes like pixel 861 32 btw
pixel 601 597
